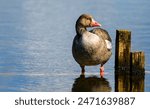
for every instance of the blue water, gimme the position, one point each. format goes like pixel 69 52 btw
pixel 36 38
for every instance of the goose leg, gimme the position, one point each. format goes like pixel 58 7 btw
pixel 82 70
pixel 101 70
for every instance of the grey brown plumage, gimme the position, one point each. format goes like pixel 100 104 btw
pixel 90 47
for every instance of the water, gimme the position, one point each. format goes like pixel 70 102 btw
pixel 36 38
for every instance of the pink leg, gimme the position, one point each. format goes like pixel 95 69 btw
pixel 82 70
pixel 102 71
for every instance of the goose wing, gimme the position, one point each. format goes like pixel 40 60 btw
pixel 104 35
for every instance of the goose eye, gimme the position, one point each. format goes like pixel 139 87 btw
pixel 88 19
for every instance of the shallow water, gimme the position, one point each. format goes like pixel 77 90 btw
pixel 36 39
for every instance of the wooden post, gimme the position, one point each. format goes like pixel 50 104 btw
pixel 137 71
pixel 137 61
pixel 137 82
pixel 129 66
pixel 122 82
pixel 122 51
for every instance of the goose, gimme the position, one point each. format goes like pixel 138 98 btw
pixel 92 47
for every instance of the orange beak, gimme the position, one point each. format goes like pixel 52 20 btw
pixel 94 23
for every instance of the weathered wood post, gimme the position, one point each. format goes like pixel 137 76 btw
pixel 137 71
pixel 122 51
pixel 137 82
pixel 122 61
pixel 122 81
pixel 137 61
pixel 129 66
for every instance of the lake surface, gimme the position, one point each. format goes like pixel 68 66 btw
pixel 36 39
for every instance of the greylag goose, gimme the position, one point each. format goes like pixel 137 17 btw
pixel 91 47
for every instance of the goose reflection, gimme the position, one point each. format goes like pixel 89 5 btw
pixel 91 84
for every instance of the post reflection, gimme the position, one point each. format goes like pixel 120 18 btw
pixel 90 84
pixel 129 82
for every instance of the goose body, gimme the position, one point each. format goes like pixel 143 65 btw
pixel 91 47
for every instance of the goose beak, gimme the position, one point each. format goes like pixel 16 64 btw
pixel 95 23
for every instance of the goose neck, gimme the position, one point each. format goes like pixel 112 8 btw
pixel 80 29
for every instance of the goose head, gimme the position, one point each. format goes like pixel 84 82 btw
pixel 84 21
pixel 87 20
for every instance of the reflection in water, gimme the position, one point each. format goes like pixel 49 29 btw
pixel 126 82
pixel 91 84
